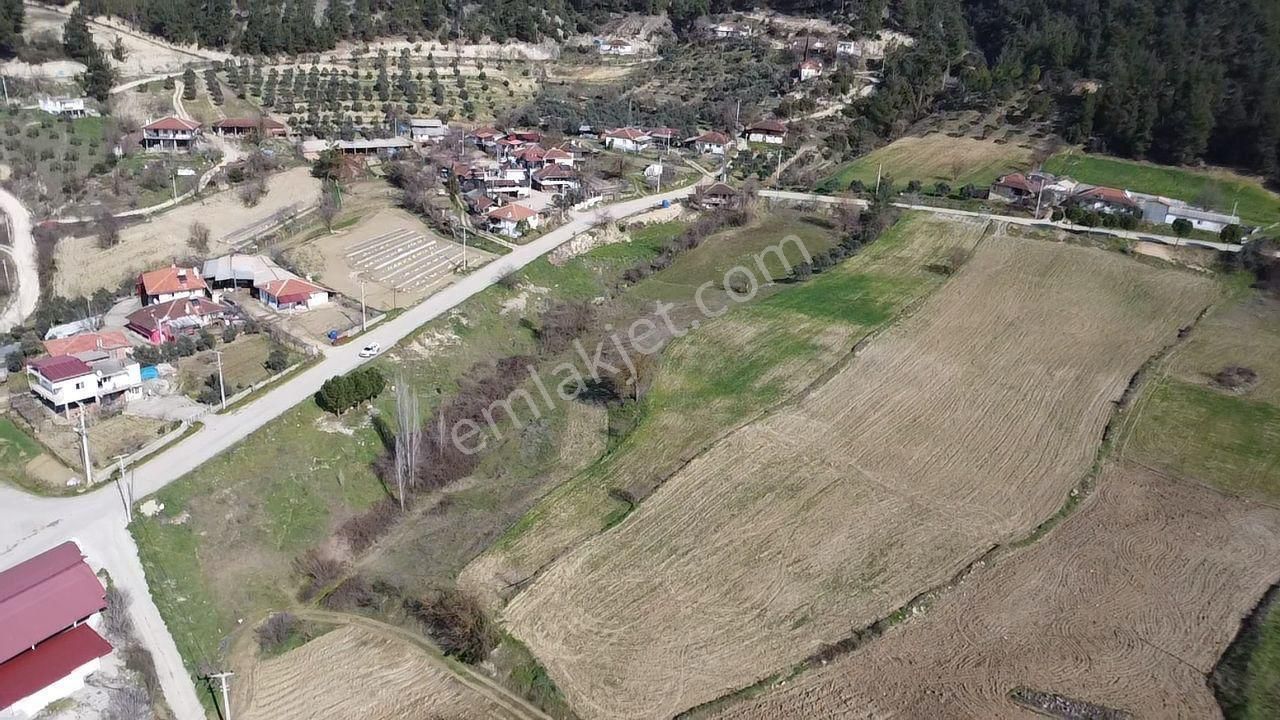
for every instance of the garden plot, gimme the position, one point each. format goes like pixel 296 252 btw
pixel 961 429
pixel 404 259
pixel 1127 606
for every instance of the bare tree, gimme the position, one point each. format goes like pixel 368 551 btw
pixel 408 437
pixel 198 237
pixel 328 207
pixel 129 703
pixel 108 230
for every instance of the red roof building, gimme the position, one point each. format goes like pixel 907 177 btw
pixel 45 595
pixel 53 660
pixel 292 293
pixel 60 367
pixel 171 133
pixel 172 124
pixel 171 283
pixel 244 126
pixel 513 212
pixel 112 342
pixel 162 322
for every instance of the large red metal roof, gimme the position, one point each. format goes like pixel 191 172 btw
pixel 60 367
pixel 55 658
pixel 45 595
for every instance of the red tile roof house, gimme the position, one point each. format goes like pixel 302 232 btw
pixel 171 133
pixel 1105 200
pixel 245 126
pixel 292 294
pixel 556 179
pixel 711 143
pixel 771 132
pixel 112 342
pixel 48 605
pixel 507 220
pixel 171 283
pixel 65 380
pixel 627 139
pixel 558 156
pixel 162 322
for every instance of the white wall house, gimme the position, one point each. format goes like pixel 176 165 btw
pixel 511 220
pixel 627 140
pixel 68 380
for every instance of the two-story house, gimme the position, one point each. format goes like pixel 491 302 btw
pixel 171 283
pixel 171 134
pixel 62 381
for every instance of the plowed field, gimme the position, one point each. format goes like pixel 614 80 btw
pixel 960 429
pixel 1126 606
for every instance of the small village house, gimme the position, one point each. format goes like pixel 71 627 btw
pixel 292 294
pixel 809 69
pixel 171 283
pixel 1105 200
pixel 711 143
pixel 614 46
pixel 172 134
pixel 718 195
pixel 62 381
pixel 113 343
pixel 770 132
pixel 427 130
pixel 66 107
pixel 555 179
pixel 1160 210
pixel 160 323
pixel 665 137
pixel 730 30
pixel 50 606
pixel 631 140
pixel 513 220
pixel 559 156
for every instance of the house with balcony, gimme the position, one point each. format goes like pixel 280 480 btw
pixel 171 134
pixel 63 381
pixel 556 179
pixel 171 283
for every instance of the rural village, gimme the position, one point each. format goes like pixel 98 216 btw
pixel 400 359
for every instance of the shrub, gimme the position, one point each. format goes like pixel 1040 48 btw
pixel 457 622
pixel 277 360
pixel 318 572
pixel 276 631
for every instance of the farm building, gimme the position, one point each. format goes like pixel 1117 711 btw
pixel 512 220
pixel 1165 211
pixel 627 139
pixel 170 283
pixel 48 607
pixel 232 271
pixel 170 133
pixel 161 322
pixel 423 130
pixel 244 126
pixel 112 342
pixel 771 132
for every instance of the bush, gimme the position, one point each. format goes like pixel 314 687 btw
pixel 457 622
pixel 318 572
pixel 229 334
pixel 277 360
pixel 276 631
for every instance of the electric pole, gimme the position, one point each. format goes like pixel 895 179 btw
pixel 84 450
pixel 126 492
pixel 222 386
pixel 364 317
pixel 221 677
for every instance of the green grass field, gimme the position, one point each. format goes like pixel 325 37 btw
pixel 16 450
pixel 1217 189
pixel 932 159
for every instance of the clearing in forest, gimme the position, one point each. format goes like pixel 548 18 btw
pixel 962 428
pixel 1126 606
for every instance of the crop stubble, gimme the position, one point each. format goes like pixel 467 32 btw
pixel 960 429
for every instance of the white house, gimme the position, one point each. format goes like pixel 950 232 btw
pixel 512 219
pixel 809 69
pixel 171 133
pixel 65 380
pixel 68 107
pixel 558 157
pixel 711 143
pixel 292 294
pixel 731 30
pixel 556 179
pixel 431 130
pixel 614 46
pixel 770 132
pixel 627 139
pixel 171 283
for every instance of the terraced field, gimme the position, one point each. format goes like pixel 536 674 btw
pixel 960 429
pixel 1126 606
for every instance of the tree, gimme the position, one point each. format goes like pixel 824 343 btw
pixel 1182 227
pixel 198 237
pixel 1231 234
pixel 277 360
pixel 408 438
pixel 328 207
pixel 108 230
pixel 98 77
pixel 189 84
pixel 76 38
pixel 12 19
pixel 118 51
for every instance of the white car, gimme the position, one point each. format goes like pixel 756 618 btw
pixel 370 350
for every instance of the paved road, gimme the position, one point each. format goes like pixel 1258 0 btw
pixel 1011 219
pixel 31 524
pixel 23 252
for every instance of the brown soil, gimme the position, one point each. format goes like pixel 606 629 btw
pixel 1127 606
pixel 961 429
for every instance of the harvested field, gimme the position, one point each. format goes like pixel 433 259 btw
pixel 367 675
pixel 1126 606
pixel 934 158
pixel 83 267
pixel 960 429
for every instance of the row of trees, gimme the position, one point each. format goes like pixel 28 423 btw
pixel 340 393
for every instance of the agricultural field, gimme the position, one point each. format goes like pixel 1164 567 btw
pixel 82 266
pixel 369 673
pixel 962 428
pixel 934 158
pixel 1126 606
pixel 731 369
pixel 1217 189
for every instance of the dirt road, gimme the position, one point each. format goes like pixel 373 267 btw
pixel 23 302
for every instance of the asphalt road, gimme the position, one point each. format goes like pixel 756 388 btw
pixel 31 524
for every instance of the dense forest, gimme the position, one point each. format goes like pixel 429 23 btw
pixel 1178 81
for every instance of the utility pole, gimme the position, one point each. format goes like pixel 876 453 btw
pixel 221 677
pixel 879 172
pixel 1039 198
pixel 84 450
pixel 462 225
pixel 364 317
pixel 126 492
pixel 222 386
